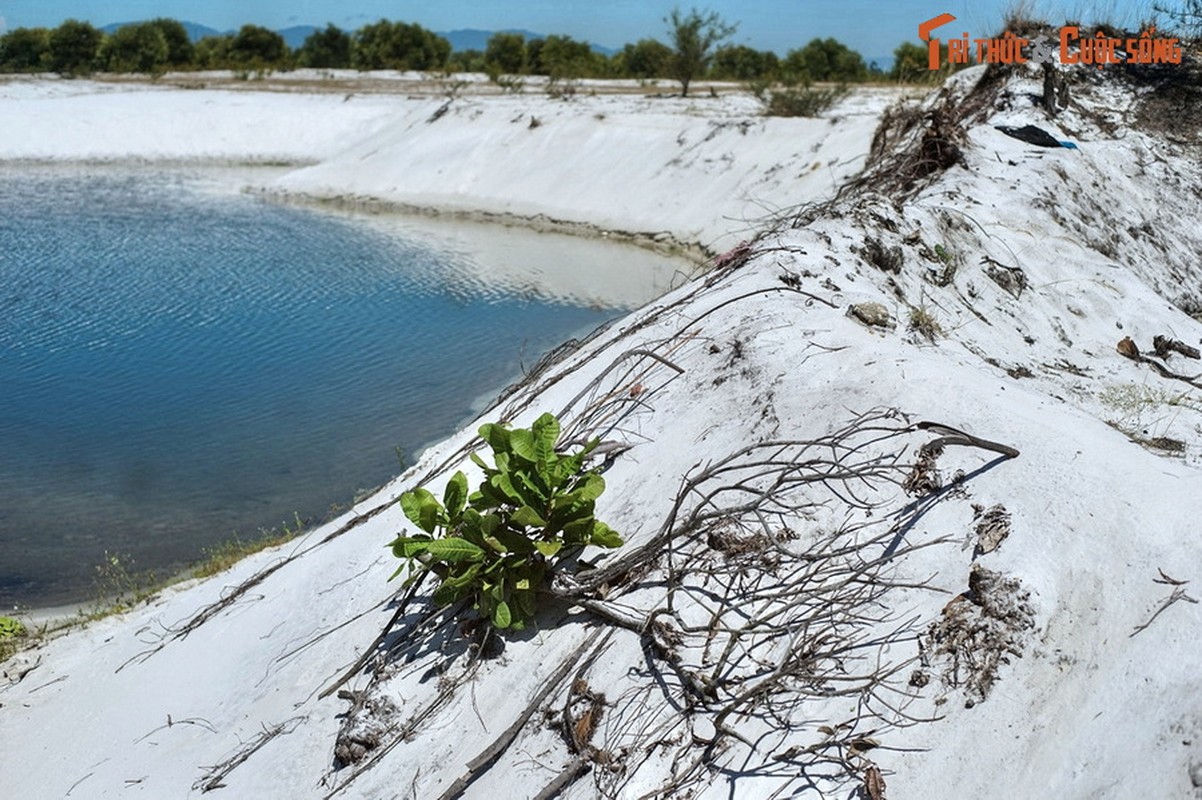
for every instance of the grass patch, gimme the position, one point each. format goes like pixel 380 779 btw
pixel 120 586
pixel 221 557
pixel 1146 413
pixel 925 324
pixel 1138 398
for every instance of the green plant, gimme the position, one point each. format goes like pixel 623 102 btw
pixel 11 628
pixel 496 546
pixel 693 37
pixel 120 585
pixel 946 273
pixel 802 102
pixel 11 631
pixel 224 555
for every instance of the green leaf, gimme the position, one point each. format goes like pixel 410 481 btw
pixel 416 504
pixel 454 549
pixel 448 593
pixel 496 436
pixel 565 468
pixel 521 442
pixel 11 628
pixel 478 461
pixel 546 433
pixel 571 516
pixel 549 549
pixel 464 579
pixel 605 536
pixel 592 487
pixel 503 484
pixel 514 542
pixel 501 617
pixel 536 492
pixel 523 602
pixel 471 526
pixel 527 516
pixel 410 546
pixel 455 496
pixel 579 532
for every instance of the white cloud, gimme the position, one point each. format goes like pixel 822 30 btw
pixel 3 25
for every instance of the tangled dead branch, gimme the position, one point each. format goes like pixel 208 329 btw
pixel 767 619
pixel 768 593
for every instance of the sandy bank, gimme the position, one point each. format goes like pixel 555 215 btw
pixel 697 171
pixel 1008 629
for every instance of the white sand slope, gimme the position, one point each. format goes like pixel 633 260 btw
pixel 714 670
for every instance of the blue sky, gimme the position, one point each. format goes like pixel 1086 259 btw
pixel 873 28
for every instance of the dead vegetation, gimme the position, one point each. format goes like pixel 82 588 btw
pixel 769 590
pixel 979 631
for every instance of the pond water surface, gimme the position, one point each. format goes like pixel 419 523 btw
pixel 181 362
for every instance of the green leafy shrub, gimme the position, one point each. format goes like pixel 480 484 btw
pixel 11 632
pixel 11 628
pixel 497 545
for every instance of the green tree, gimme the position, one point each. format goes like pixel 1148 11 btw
pixel 140 47
pixel 910 63
pixel 213 52
pixel 467 61
pixel 25 50
pixel 742 63
pixel 73 48
pixel 505 54
pixel 399 46
pixel 694 37
pixel 180 51
pixel 565 57
pixel 256 46
pixel 825 60
pixel 328 48
pixel 644 59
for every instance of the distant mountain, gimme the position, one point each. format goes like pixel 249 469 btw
pixel 196 32
pixel 474 39
pixel 295 36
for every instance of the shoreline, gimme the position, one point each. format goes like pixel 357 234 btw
pixel 690 133
pixel 662 242
pixel 613 165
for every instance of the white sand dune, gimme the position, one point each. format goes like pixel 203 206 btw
pixel 1034 263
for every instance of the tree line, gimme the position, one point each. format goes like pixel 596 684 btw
pixel 697 51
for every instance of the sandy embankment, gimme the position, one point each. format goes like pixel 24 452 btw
pixel 609 164
pixel 1040 655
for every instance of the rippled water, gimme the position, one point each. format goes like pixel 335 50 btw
pixel 180 362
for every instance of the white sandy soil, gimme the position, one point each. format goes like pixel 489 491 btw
pixel 1084 702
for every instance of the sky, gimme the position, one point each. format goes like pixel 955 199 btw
pixel 872 28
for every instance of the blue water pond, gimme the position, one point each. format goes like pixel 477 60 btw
pixel 181 362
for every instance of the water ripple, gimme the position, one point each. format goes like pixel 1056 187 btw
pixel 180 363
